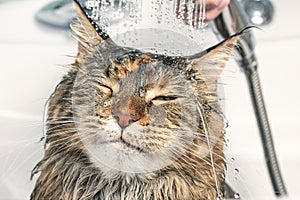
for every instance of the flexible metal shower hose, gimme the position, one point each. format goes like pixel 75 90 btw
pixel 265 131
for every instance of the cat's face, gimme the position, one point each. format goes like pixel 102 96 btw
pixel 139 112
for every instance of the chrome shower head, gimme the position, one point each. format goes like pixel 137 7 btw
pixel 260 12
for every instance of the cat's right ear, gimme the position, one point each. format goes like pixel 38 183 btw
pixel 86 32
pixel 209 64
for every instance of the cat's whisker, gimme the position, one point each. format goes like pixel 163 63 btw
pixel 59 122
pixel 189 159
pixel 58 126
pixel 212 138
pixel 62 135
pixel 182 176
pixel 60 118
pixel 63 145
pixel 192 144
pixel 207 162
pixel 63 142
pixel 57 129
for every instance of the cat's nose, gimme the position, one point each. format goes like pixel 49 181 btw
pixel 125 120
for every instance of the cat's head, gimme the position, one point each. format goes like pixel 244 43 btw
pixel 138 111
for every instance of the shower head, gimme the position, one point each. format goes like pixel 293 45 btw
pixel 260 12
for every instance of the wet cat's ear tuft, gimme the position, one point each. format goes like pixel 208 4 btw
pixel 210 63
pixel 215 57
pixel 86 32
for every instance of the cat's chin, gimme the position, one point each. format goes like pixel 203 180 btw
pixel 126 147
pixel 121 157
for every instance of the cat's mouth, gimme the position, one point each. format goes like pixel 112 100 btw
pixel 126 147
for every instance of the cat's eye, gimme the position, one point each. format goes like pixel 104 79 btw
pixel 106 90
pixel 163 99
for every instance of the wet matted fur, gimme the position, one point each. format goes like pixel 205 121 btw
pixel 139 103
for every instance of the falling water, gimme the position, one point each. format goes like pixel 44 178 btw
pixel 175 27
pixel 109 13
pixel 202 8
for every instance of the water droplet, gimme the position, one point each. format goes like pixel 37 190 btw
pixel 226 125
pixel 236 171
pixel 226 145
pixel 167 144
pixel 232 159
pixel 236 196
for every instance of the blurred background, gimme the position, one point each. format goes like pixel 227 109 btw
pixel 33 59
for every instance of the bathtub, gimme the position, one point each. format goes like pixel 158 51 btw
pixel 32 59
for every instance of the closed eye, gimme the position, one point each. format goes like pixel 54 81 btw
pixel 106 90
pixel 159 100
pixel 164 98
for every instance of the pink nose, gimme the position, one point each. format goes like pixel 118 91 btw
pixel 124 120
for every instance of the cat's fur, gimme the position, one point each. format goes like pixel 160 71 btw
pixel 161 97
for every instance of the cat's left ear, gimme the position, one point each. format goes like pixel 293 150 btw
pixel 210 63
pixel 86 31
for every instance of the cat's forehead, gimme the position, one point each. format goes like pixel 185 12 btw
pixel 128 64
pixel 145 67
pixel 135 73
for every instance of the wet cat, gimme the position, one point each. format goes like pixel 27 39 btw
pixel 126 124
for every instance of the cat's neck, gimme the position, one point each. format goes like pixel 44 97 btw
pixel 61 177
